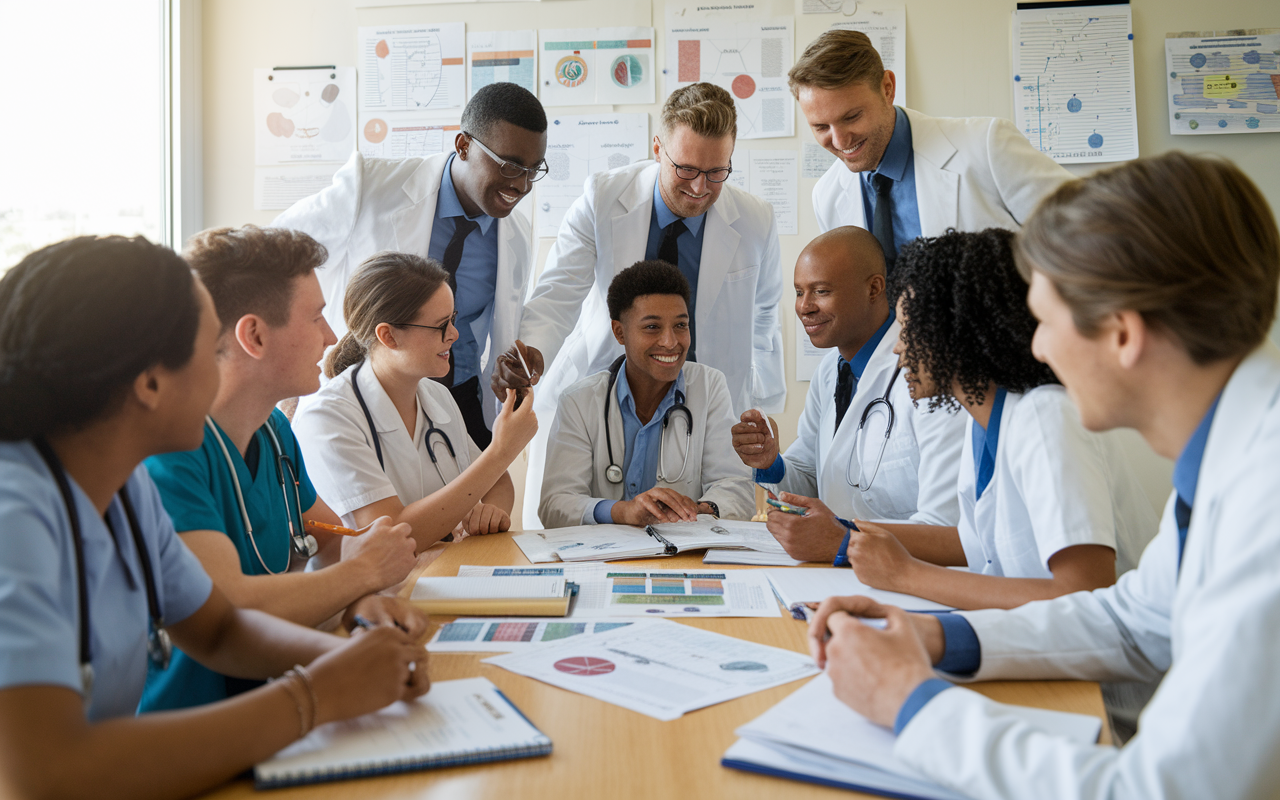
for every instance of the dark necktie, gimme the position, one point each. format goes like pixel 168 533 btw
pixel 845 386
pixel 882 219
pixel 669 251
pixel 452 258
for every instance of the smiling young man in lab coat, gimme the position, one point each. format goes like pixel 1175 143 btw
pixel 455 208
pixel 1155 285
pixel 862 447
pixel 646 440
pixel 902 174
pixel 680 209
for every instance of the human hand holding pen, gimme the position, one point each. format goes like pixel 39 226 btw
pixel 755 439
pixel 376 610
pixel 519 368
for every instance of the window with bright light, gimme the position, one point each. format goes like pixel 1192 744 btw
pixel 81 141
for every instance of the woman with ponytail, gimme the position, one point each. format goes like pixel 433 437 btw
pixel 107 356
pixel 384 437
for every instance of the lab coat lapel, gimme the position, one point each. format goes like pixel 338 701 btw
pixel 385 417
pixel 631 227
pixel 413 222
pixel 719 247
pixel 937 189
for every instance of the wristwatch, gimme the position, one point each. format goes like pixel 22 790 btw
pixel 715 509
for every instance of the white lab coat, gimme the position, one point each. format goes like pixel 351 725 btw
pixel 341 459
pixel 972 173
pixel 1213 727
pixel 917 477
pixel 578 455
pixel 740 283
pixel 377 204
pixel 1055 485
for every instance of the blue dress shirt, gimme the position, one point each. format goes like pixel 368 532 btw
pixel 858 364
pixel 640 444
pixel 689 244
pixel 477 275
pixel 898 163
pixel 1186 475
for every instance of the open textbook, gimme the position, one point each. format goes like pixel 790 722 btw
pixel 617 542
pixel 811 736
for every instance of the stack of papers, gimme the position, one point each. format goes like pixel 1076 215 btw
pixel 795 586
pixel 537 594
pixel 660 669
pixel 617 542
pixel 812 736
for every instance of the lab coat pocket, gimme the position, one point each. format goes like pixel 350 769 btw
pixel 896 487
pixel 743 274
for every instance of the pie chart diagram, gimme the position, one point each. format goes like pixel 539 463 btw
pixel 585 665
pixel 375 130
pixel 743 86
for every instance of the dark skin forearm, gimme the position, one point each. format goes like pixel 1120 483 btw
pixel 936 544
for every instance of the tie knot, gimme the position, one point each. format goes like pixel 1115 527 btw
pixel 883 183
pixel 678 227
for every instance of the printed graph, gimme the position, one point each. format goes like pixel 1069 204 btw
pixel 585 666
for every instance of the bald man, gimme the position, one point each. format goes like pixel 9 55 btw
pixel 841 455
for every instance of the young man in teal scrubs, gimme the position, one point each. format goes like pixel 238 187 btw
pixel 249 468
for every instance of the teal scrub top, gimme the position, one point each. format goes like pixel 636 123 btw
pixel 198 493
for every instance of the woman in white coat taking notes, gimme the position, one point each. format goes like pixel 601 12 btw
pixel 384 437
pixel 1154 284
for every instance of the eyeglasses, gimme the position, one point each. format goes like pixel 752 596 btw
pixel 719 175
pixel 511 170
pixel 444 329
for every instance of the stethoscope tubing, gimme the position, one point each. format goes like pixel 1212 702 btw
pixel 862 422
pixel 613 472
pixel 426 438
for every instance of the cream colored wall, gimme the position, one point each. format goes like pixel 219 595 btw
pixel 958 64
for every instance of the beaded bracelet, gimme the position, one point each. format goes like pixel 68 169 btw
pixel 298 683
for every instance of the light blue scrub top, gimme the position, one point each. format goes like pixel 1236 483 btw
pixel 198 493
pixel 39 604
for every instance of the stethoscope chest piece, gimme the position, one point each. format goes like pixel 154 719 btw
pixel 613 473
pixel 159 648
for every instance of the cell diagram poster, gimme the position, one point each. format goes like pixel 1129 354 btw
pixel 596 66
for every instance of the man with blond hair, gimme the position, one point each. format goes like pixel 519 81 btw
pixel 677 208
pixel 902 174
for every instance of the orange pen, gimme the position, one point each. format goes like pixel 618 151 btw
pixel 324 526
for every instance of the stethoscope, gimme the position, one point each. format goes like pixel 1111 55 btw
pixel 613 472
pixel 426 439
pixel 159 646
pixel 304 544
pixel 882 400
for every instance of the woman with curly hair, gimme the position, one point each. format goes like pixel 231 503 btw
pixel 1046 507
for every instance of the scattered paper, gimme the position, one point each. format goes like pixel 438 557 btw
pixel 281 186
pixel 808 357
pixel 663 670
pixel 817 160
pixel 406 134
pixel 412 67
pixel 580 146
pixel 748 58
pixel 489 635
pixel 588 66
pixel 1073 94
pixel 304 115
pixel 502 56
pixel 752 558
pixel 1223 81
pixel 886 25
pixel 815 585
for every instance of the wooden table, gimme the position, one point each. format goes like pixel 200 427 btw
pixel 608 752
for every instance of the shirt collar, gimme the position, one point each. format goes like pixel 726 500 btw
pixel 448 204
pixel 627 402
pixel 893 163
pixel 666 216
pixel 1186 470
pixel 863 356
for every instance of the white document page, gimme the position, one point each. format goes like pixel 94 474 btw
pixel 532 586
pixel 662 670
pixel 492 635
pixel 303 116
pixel 815 585
pixel 281 186
pixel 750 558
pixel 808 357
pixel 816 161
pixel 502 56
pixel 405 134
pixel 579 146
pixel 412 67
pixel 886 25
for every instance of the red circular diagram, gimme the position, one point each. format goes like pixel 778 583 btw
pixel 585 665
pixel 744 86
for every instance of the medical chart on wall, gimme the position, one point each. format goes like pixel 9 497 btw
pixel 596 66
pixel 886 25
pixel 1223 81
pixel 582 145
pixel 816 160
pixel 412 67
pixel 406 135
pixel 749 58
pixel 304 127
pixel 502 56
pixel 1073 94
pixel 808 357
pixel 771 176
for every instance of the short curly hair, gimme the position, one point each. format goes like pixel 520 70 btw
pixel 967 320
pixel 641 278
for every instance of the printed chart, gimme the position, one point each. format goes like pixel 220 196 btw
pixel 886 25
pixel 588 66
pixel 502 56
pixel 1224 82
pixel 1073 94
pixel 404 135
pixel 749 59
pixel 507 635
pixel 580 146
pixel 304 125
pixel 407 67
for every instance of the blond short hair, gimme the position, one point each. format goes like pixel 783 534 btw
pixel 1187 241
pixel 703 108
pixel 836 59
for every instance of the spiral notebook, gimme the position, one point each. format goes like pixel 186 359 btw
pixel 468 721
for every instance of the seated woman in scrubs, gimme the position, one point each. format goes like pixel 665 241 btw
pixel 1046 507
pixel 384 437
pixel 107 357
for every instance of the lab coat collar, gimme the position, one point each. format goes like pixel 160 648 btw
pixel 385 416
pixel 627 402
pixel 870 346
pixel 413 222
pixel 893 164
